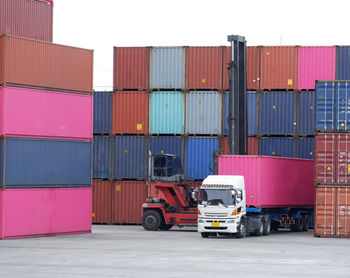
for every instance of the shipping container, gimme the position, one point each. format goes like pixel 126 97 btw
pixel 102 157
pixel 28 163
pixel 130 112
pixel 44 212
pixel 199 156
pixel 203 112
pixel 102 112
pixel 272 181
pixel 253 145
pixel 167 145
pixel 279 67
pixel 306 148
pixel 26 18
pixel 129 157
pixel 277 146
pixel 306 113
pixel 343 63
pixel 332 212
pixel 131 68
pixel 102 202
pixel 278 113
pixel 167 68
pixel 40 113
pixel 167 113
pixel 204 67
pixel 332 106
pixel 315 63
pixel 39 64
pixel 128 197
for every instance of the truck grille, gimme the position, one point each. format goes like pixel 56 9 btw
pixel 214 215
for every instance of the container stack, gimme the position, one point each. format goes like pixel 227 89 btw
pixel 46 132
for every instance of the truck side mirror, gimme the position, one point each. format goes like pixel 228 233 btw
pixel 239 196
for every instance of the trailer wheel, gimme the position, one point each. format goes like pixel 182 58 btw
pixel 299 224
pixel 165 227
pixel 151 220
pixel 242 229
pixel 260 230
pixel 267 226
pixel 306 222
pixel 205 235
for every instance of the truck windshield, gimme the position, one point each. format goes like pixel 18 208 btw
pixel 212 197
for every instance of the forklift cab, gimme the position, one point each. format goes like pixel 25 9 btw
pixel 165 167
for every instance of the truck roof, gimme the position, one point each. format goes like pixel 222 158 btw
pixel 220 180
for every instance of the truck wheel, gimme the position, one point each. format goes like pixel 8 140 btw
pixel 205 235
pixel 267 226
pixel 260 230
pixel 299 224
pixel 151 220
pixel 165 227
pixel 242 229
pixel 306 223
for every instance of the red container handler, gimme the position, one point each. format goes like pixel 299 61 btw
pixel 102 202
pixel 44 212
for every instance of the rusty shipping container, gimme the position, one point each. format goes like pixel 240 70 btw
pixel 101 201
pixel 26 18
pixel 38 64
pixel 253 145
pixel 279 67
pixel 332 212
pixel 130 112
pixel 131 68
pixel 127 200
pixel 204 67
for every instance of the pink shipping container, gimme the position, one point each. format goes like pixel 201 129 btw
pixel 49 114
pixel 44 212
pixel 272 181
pixel 315 63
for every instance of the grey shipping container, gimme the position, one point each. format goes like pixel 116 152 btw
pixel 102 157
pixel 35 163
pixel 343 63
pixel 102 113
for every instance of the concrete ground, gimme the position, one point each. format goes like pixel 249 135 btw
pixel 130 251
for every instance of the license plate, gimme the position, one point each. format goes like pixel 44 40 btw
pixel 215 224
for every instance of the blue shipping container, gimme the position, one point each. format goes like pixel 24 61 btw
pixel 277 113
pixel 167 68
pixel 306 148
pixel 32 162
pixel 102 113
pixel 166 115
pixel 199 157
pixel 306 113
pixel 167 145
pixel 343 63
pixel 129 157
pixel 277 146
pixel 252 105
pixel 102 157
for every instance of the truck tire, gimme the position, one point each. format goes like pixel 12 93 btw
pixel 260 230
pixel 205 235
pixel 267 226
pixel 299 224
pixel 242 229
pixel 306 222
pixel 151 220
pixel 165 227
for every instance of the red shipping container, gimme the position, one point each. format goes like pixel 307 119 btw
pixel 38 64
pixel 130 112
pixel 253 145
pixel 127 200
pixel 131 68
pixel 101 201
pixel 332 212
pixel 279 67
pixel 26 18
pixel 204 67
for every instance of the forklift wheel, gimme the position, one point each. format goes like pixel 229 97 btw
pixel 151 220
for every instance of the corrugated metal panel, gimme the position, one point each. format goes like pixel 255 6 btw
pixel 167 70
pixel 166 115
pixel 129 157
pixel 253 145
pixel 277 146
pixel 128 197
pixel 343 63
pixel 306 113
pixel 315 63
pixel 44 65
pixel 306 147
pixel 43 212
pixel 130 112
pixel 131 68
pixel 26 18
pixel 168 145
pixel 325 211
pixel 102 157
pixel 199 156
pixel 101 202
pixel 204 67
pixel 102 112
pixel 279 65
pixel 46 163
pixel 203 112
pixel 343 216
pixel 277 113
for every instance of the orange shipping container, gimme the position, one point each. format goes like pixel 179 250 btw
pixel 279 67
pixel 332 211
pixel 33 63
pixel 101 202
pixel 130 112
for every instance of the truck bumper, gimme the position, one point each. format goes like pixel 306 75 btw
pixel 217 226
